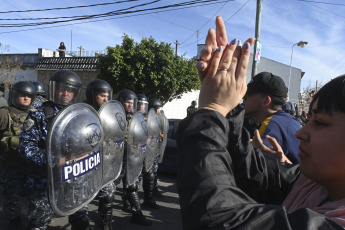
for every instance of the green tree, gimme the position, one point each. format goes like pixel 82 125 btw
pixel 306 95
pixel 9 66
pixel 148 68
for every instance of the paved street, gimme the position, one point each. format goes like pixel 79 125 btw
pixel 166 218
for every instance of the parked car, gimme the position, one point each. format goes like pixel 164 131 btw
pixel 169 162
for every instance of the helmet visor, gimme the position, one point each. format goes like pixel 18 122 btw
pixel 130 105
pixel 62 93
pixel 142 106
pixel 21 99
pixel 101 96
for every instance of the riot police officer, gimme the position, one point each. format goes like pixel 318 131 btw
pixel 142 104
pixel 147 175
pixel 156 104
pixel 3 101
pixel 11 121
pixel 97 93
pixel 40 94
pixel 64 87
pixel 129 101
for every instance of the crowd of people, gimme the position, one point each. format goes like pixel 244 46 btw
pixel 250 165
pixel 286 176
pixel 25 128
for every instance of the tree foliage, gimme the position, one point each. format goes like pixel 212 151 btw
pixel 9 66
pixel 148 68
pixel 306 95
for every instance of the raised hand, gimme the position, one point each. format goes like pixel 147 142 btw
pixel 275 149
pixel 223 72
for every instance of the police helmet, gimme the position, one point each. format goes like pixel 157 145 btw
pixel 19 89
pixel 62 81
pixel 39 88
pixel 142 105
pixel 288 107
pixel 155 104
pixel 126 95
pixel 97 87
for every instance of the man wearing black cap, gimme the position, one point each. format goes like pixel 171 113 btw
pixel 264 99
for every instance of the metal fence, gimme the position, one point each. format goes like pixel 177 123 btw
pixel 87 53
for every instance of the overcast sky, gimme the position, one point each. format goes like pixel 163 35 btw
pixel 283 23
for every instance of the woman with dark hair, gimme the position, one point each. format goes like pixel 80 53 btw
pixel 62 49
pixel 224 183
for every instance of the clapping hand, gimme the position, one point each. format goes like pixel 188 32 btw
pixel 222 70
pixel 275 149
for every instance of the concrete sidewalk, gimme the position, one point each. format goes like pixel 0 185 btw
pixel 166 218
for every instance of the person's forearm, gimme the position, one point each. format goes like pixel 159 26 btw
pixel 209 196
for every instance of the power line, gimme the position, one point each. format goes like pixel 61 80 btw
pixel 113 13
pixel 51 32
pixel 66 8
pixel 301 15
pixel 118 17
pixel 328 3
pixel 172 23
pixel 225 21
pixel 205 22
pixel 237 11
pixel 78 17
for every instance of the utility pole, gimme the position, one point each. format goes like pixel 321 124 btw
pixel 80 49
pixel 71 41
pixel 316 87
pixel 176 43
pixel 197 37
pixel 257 35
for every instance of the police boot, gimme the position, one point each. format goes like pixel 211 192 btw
pixel 137 215
pixel 16 224
pixel 30 227
pixel 82 223
pixel 126 205
pixel 157 193
pixel 139 218
pixel 105 211
pixel 148 186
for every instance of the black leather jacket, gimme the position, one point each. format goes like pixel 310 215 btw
pixel 224 183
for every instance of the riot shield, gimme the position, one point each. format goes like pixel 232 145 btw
pixel 136 147
pixel 74 158
pixel 165 128
pixel 152 146
pixel 114 125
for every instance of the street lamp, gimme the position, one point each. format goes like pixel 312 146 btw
pixel 302 44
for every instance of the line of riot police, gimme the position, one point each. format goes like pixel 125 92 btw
pixel 75 152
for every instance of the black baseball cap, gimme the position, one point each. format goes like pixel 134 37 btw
pixel 268 83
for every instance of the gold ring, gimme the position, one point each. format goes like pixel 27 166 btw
pixel 215 49
pixel 222 69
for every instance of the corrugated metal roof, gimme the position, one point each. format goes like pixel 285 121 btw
pixel 71 63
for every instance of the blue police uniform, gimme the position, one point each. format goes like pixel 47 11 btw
pixel 130 197
pixel 38 101
pixel 32 148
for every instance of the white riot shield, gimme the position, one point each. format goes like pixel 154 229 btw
pixel 74 158
pixel 153 139
pixel 114 125
pixel 136 147
pixel 165 128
